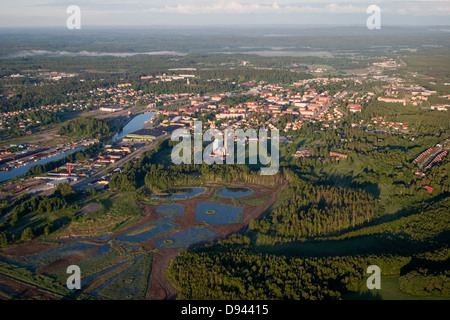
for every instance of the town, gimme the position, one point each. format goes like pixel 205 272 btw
pixel 257 163
pixel 265 105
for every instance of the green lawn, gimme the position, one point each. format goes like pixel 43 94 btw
pixel 389 291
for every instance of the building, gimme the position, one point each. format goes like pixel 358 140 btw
pixel 302 153
pixel 54 183
pixel 140 135
pixel 111 109
pixel 354 107
pixel 338 155
pixel 151 134
pixel 440 107
pixel 390 100
pixel 220 116
pixel 429 189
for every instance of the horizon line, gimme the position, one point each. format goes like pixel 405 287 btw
pixel 362 26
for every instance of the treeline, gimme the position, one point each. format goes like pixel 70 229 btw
pixel 232 269
pixel 47 93
pixel 32 119
pixel 148 171
pixel 427 274
pixel 37 204
pixel 422 282
pixel 86 128
pixel 235 273
pixel 316 211
pixel 426 224
pixel 158 177
pixel 332 88
pixel 257 75
pixel 25 209
pixel 196 86
pixel 133 174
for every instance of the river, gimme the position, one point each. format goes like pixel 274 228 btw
pixel 137 123
pixel 8 175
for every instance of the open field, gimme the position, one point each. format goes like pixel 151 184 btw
pixel 389 291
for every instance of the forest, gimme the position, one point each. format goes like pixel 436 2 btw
pixel 316 211
pixel 20 225
pixel 148 171
pixel 234 270
pixel 86 128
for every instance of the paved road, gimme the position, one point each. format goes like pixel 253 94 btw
pixel 84 184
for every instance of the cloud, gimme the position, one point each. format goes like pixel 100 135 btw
pixel 137 12
pixel 235 7
pixel 331 8
pixel 216 7
pixel 416 8
pixel 412 8
pixel 62 53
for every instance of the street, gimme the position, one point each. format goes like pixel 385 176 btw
pixel 85 183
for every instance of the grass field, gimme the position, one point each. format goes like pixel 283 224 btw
pixel 389 291
pixel 132 285
pixel 117 212
pixel 432 63
pixel 257 201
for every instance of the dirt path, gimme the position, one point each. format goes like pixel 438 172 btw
pixel 159 287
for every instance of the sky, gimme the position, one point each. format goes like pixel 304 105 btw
pixel 105 13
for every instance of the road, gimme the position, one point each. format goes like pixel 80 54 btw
pixel 326 106
pixel 85 184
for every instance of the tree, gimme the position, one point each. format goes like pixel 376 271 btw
pixel 65 189
pixel 27 234
pixel 48 228
pixel 86 128
pixel 14 218
pixel 3 239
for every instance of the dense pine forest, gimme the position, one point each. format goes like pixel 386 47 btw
pixel 233 271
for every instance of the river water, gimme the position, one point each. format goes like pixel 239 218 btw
pixel 135 124
pixel 8 175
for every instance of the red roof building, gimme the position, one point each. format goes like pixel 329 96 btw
pixel 429 189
